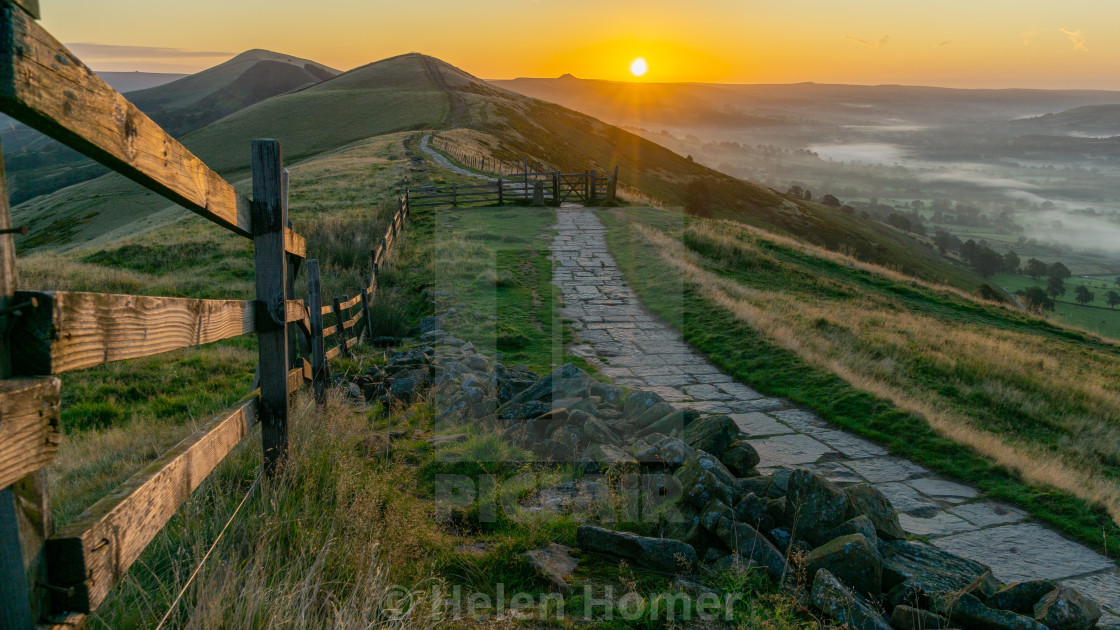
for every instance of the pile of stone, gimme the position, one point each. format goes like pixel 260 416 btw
pixel 842 549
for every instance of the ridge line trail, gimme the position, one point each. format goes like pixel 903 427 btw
pixel 457 111
pixel 614 331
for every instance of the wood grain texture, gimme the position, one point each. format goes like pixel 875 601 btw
pixel 45 86
pixel 30 6
pixel 271 270
pixel 95 551
pixel 332 353
pixel 74 330
pixel 29 430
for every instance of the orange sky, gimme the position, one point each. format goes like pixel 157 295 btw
pixel 966 43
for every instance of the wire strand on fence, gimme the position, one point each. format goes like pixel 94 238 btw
pixel 194 574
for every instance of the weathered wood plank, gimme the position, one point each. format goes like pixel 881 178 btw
pixel 30 6
pixel 353 321
pixel 332 353
pixel 70 331
pixel 294 244
pixel 91 554
pixel 29 431
pixel 45 86
pixel 348 304
pixel 271 270
pixel 295 379
pixel 330 330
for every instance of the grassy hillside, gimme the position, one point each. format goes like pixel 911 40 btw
pixel 1022 407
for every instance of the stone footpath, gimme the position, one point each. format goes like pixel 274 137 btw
pixel 446 163
pixel 635 349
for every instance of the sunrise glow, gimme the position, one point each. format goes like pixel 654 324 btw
pixel 639 67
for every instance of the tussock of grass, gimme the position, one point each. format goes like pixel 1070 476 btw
pixel 1026 395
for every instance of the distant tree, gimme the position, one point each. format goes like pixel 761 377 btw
pixel 794 191
pixel 1058 270
pixel 830 201
pixel 969 251
pixel 698 198
pixel 1036 299
pixel 1113 299
pixel 807 195
pixel 1011 262
pixel 1083 295
pixel 942 239
pixel 988 293
pixel 899 221
pixel 1055 287
pixel 987 261
pixel 1036 268
pixel 848 209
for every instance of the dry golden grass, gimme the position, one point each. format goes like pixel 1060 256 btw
pixel 1073 388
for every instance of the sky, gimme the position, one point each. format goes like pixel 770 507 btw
pixel 956 43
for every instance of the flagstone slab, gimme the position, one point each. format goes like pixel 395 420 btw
pixel 757 424
pixel 795 449
pixel 988 513
pixel 884 469
pixel 1026 551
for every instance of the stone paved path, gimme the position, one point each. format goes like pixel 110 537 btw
pixel 635 349
pixel 446 163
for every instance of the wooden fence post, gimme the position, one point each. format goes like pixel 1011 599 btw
pixel 271 271
pixel 297 345
pixel 592 187
pixel 612 188
pixel 336 307
pixel 25 517
pixel 556 188
pixel 501 200
pixel 365 315
pixel 320 371
pixel 376 271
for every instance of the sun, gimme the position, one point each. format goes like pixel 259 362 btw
pixel 639 67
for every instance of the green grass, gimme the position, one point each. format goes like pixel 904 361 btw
pixel 744 352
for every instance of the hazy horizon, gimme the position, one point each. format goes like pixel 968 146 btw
pixel 865 42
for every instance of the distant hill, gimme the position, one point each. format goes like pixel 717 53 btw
pixel 253 76
pixel 1093 121
pixel 699 105
pixel 131 81
pixel 37 165
pixel 415 92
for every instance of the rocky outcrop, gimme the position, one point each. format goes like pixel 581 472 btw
pixel 659 554
pixel 794 524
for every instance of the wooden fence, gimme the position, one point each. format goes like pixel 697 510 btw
pixel 589 187
pixel 55 578
pixel 485 163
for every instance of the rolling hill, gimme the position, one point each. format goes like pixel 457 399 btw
pixel 1090 121
pixel 414 92
pixel 37 165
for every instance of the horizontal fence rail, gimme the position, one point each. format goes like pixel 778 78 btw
pixel 51 577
